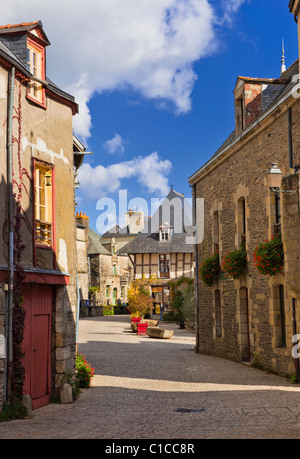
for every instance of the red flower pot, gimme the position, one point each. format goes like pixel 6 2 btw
pixel 142 326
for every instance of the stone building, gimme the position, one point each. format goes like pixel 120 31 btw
pixel 162 251
pixel 253 318
pixel 100 266
pixel 37 250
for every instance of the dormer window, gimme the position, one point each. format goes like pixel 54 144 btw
pixel 165 232
pixel 35 65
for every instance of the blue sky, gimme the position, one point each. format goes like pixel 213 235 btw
pixel 155 104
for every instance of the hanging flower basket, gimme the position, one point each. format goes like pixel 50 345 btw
pixel 210 270
pixel 235 263
pixel 269 256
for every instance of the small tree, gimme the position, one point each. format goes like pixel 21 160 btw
pixel 189 306
pixel 139 301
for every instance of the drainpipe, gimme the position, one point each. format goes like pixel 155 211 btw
pixel 196 269
pixel 290 137
pixel 10 219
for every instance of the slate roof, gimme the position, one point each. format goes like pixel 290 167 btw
pixel 13 47
pixel 276 88
pixel 95 247
pixel 148 240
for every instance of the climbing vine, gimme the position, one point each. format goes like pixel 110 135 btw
pixel 19 313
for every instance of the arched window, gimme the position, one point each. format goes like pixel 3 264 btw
pixel 216 231
pixel 242 221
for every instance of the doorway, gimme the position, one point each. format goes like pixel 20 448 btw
pixel 244 325
pixel 38 304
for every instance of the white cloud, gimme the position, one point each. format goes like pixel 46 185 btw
pixel 103 45
pixel 150 171
pixel 115 145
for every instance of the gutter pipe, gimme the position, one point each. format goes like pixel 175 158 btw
pixel 196 269
pixel 290 137
pixel 10 219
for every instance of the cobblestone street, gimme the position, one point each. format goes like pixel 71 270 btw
pixel 145 388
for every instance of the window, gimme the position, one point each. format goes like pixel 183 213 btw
pixel 107 291
pixel 114 270
pixel 43 205
pixel 35 65
pixel 279 319
pixel 218 314
pixel 164 235
pixel 165 232
pixel 164 265
pixel 277 225
pixel 242 221
pixel 239 110
pixel 216 231
pixel 122 292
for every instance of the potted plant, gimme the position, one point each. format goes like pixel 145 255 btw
pixel 235 263
pixel 139 303
pixel 210 269
pixel 269 256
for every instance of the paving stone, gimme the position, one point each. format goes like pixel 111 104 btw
pixel 140 382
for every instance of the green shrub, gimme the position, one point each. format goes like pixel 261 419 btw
pixel 108 310
pixel 14 410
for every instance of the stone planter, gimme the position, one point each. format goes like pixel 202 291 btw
pixel 134 323
pixel 84 311
pixel 161 333
pixel 95 311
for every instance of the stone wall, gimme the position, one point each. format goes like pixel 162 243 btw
pixel 241 172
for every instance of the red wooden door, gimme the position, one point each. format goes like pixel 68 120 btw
pixel 38 301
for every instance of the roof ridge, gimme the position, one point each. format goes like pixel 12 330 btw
pixel 21 24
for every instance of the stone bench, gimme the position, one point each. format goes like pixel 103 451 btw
pixel 151 323
pixel 157 332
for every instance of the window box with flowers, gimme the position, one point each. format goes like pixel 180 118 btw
pixel 210 269
pixel 235 263
pixel 269 256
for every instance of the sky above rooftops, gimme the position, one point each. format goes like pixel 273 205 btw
pixel 154 80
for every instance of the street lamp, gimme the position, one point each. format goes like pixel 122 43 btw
pixel 274 178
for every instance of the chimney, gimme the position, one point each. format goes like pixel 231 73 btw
pixel 82 219
pixel 135 221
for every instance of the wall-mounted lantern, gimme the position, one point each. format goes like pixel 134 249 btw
pixel 274 178
pixel 48 178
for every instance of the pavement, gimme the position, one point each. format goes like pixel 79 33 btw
pixel 147 388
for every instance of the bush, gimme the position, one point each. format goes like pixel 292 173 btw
pixel 269 257
pixel 84 371
pixel 235 263
pixel 210 269
pixel 108 310
pixel 14 410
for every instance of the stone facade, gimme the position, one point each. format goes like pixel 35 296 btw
pixel 112 274
pixel 240 319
